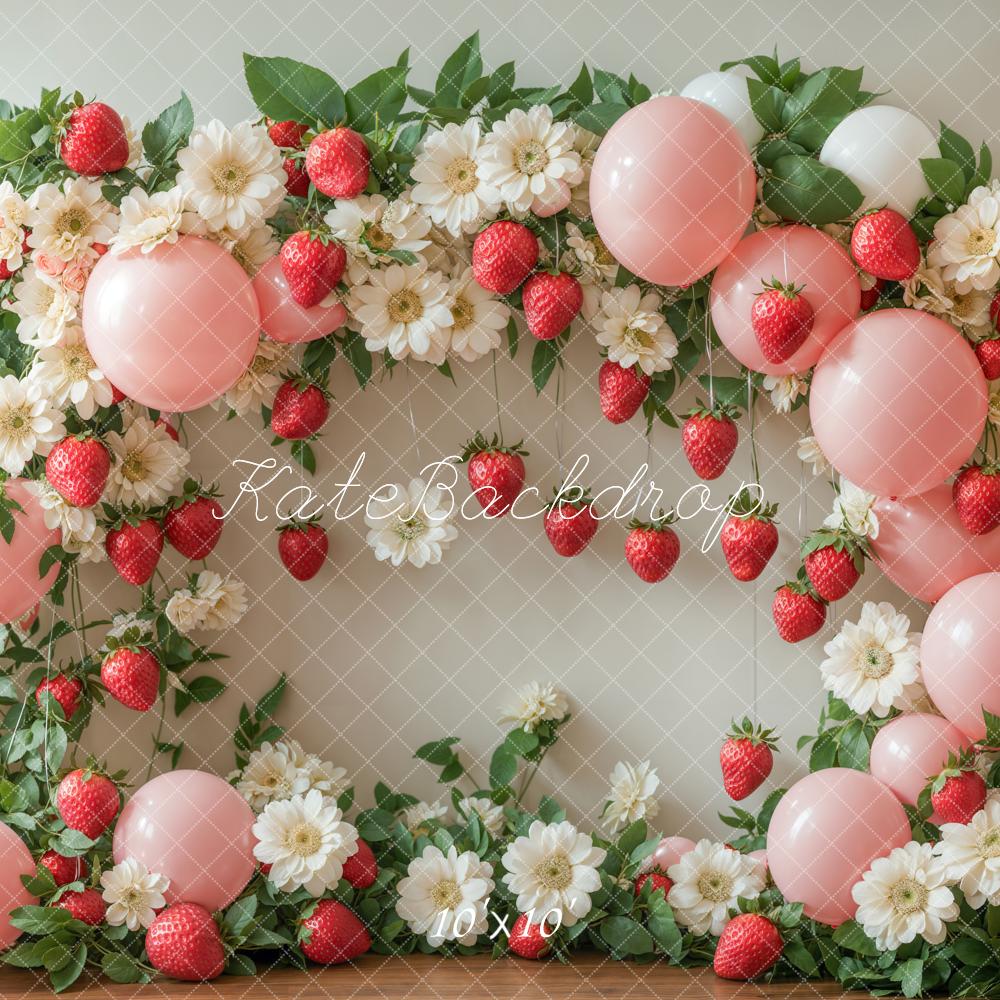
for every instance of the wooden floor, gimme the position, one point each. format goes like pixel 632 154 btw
pixel 424 976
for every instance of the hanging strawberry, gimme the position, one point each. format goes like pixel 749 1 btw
pixel 652 548
pixel 496 472
pixel 709 438
pixel 834 562
pixel 570 523
pixel 781 317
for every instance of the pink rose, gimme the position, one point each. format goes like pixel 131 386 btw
pixel 47 263
pixel 75 276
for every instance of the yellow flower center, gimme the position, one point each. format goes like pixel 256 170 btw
pixel 303 839
pixel 462 313
pixel 262 365
pixel 15 422
pixel 378 239
pixel 405 306
pixel 989 843
pixel 230 179
pixel 637 340
pixel 446 895
pixel 554 872
pixel 908 895
pixel 963 306
pixel 875 661
pixel 72 222
pixel 409 529
pixel 77 363
pixel 460 177
pixel 530 157
pixel 134 468
pixel 980 241
pixel 602 254
pixel 716 887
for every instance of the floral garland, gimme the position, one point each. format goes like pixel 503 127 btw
pixel 484 871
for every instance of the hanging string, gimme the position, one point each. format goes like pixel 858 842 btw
pixel 560 420
pixel 409 406
pixel 803 500
pixel 756 605
pixel 496 394
pixel 708 354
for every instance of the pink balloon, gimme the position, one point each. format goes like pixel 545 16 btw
pixel 960 653
pixel 670 850
pixel 20 585
pixel 15 861
pixel 282 318
pixel 760 856
pixel 824 835
pixel 175 328
pixel 898 402
pixel 195 829
pixel 923 547
pixel 672 189
pixel 911 749
pixel 791 254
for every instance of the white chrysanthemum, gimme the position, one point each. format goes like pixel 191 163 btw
pixel 29 423
pixel 448 186
pixel 784 390
pixel 853 510
pixel 271 775
pixel 87 544
pixel 871 662
pixel 134 139
pixel 553 868
pixel 445 896
pixel 185 610
pixel 148 464
pixel 13 208
pixel 634 330
pixel 319 774
pixel 633 791
pixel 967 242
pixel 252 250
pixel 66 222
pixel 490 815
pixel 970 853
pixel 536 703
pixel 233 178
pixel 810 453
pixel 258 384
pixel 133 894
pixel 45 307
pixel 905 896
pixel 926 290
pixel 306 841
pixel 126 621
pixel 213 603
pixel 592 257
pixel 416 817
pixel 68 375
pixel 11 246
pixel 147 220
pixel 372 228
pixel 78 523
pixel 410 523
pixel 585 143
pixel 708 880
pixel 528 157
pixel 478 318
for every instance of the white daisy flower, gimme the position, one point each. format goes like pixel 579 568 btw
pixel 214 604
pixel 46 307
pixel 147 464
pixel 478 318
pixel 134 139
pixel 445 896
pixel 29 423
pixel 68 375
pixel 490 815
pixel 77 523
pixel 926 290
pixel 634 330
pixel 258 384
pixel 372 228
pixel 967 242
pixel 88 543
pixel 13 208
pixel 553 868
pixel 147 220
pixel 904 896
pixel 633 791
pixel 785 390
pixel 591 262
pixel 970 854
pixel 853 510
pixel 11 247
pixel 66 222
pixel 319 774
pixel 416 817
pixel 133 894
pixel 410 523
pixel 536 703
pixel 585 143
pixel 810 453
pixel 271 775
pixel 252 250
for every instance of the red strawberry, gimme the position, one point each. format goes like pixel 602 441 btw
pixel 94 141
pixel 87 801
pixel 361 868
pixel 781 318
pixel 551 302
pixel 622 391
pixel 746 759
pixel 302 546
pixel 117 396
pixel 287 134
pixel 64 870
pixel 958 792
pixel 988 352
pixel 797 612
pixel 134 549
pixel 527 940
pixel 338 163
pixel 331 934
pixel 652 548
pixel 660 883
pixel 869 296
pixel 194 525
pixel 570 522
pixel 86 905
pixel 747 948
pixel 884 245
pixel 976 495
pixel 300 409
pixel 77 468
pixel 66 690
pixel 184 942
pixel 496 472
pixel 132 676
pixel 834 562
pixel 503 255
pixel 312 265
pixel 296 178
pixel 709 439
pixel 749 537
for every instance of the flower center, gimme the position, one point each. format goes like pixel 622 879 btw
pixel 134 468
pixel 262 365
pixel 602 254
pixel 15 422
pixel 530 157
pixel 637 340
pixel 462 313
pixel 989 843
pixel 303 839
pixel 133 896
pixel 716 887
pixel 77 363
pixel 460 177
pixel 445 895
pixel 72 222
pixel 908 896
pixel 875 661
pixel 405 306
pixel 409 529
pixel 980 241
pixel 963 306
pixel 230 179
pixel 554 872
pixel 378 239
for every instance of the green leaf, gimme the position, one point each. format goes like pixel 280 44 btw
pixel 610 87
pixel 766 67
pixel 945 179
pixel 627 936
pixel 70 972
pixel 851 936
pixel 854 748
pixel 16 135
pixel 598 118
pixel 240 965
pixel 911 975
pixel 239 916
pixel 543 362
pixel 819 103
pixel 40 920
pixel 286 89
pixel 164 136
pixel 957 149
pixel 512 337
pixel 375 824
pixel 501 85
pixel 303 453
pixel 522 742
pixel 460 69
pixel 55 746
pixel 582 88
pixel 270 700
pixel 767 103
pixel 378 97
pixel 200 690
pixel 123 968
pixel 805 190
pixel 663 927
pixel 437 752
pixel 358 356
pixel 800 956
pixel 503 767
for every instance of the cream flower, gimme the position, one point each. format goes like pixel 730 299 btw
pixel 213 603
pixel 76 523
pixel 536 703
pixel 134 140
pixel 967 242
pixel 870 663
pixel 635 332
pixel 148 220
pixel 258 384
pixel 585 143
pixel 45 307
pixel 271 775
pixel 13 208
pixel 373 229
pixel 319 774
pixel 905 896
pixel 708 881
pixel 87 544
pixel 810 453
pixel 133 894
pixel 251 250
pixel 785 390
pixel 11 247
pixel 445 896
pixel 68 375
pixel 528 158
pixel 970 854
pixel 926 290
pixel 852 509
pixel 124 622
pixel 633 791
pixel 417 817
pixel 66 222
pixel 410 523
pixel 592 258
pixel 306 841
pixel 478 318
pixel 490 815
pixel 29 423
pixel 148 464
pixel 449 188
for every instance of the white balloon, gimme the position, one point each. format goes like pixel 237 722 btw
pixel 880 149
pixel 727 93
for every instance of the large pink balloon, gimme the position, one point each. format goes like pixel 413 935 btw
pixel 824 835
pixel 796 254
pixel 923 547
pixel 175 328
pixel 960 653
pixel 672 189
pixel 898 402
pixel 282 318
pixel 911 749
pixel 20 585
pixel 194 828
pixel 670 850
pixel 15 861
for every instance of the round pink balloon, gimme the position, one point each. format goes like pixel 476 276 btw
pixel 15 861
pixel 20 585
pixel 175 328
pixel 282 318
pixel 923 547
pixel 195 829
pixel 760 856
pixel 796 254
pixel 670 850
pixel 672 189
pixel 960 653
pixel 898 402
pixel 912 749
pixel 824 835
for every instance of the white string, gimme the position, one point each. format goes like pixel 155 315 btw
pixel 409 406
pixel 708 352
pixel 560 421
